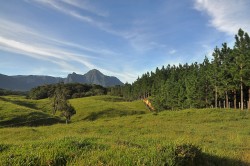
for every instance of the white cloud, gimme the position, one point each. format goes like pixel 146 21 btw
pixel 226 15
pixel 23 40
pixel 33 42
pixel 173 51
pixel 26 34
pixel 53 56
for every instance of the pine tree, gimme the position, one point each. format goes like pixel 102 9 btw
pixel 215 74
pixel 227 77
pixel 241 49
pixel 205 77
pixel 199 85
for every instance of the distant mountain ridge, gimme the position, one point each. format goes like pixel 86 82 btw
pixel 93 77
pixel 27 82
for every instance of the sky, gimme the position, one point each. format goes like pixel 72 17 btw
pixel 122 38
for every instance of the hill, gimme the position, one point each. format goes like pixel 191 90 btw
pixel 27 82
pixel 19 111
pixel 108 131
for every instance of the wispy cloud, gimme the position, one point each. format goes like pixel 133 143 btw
pixel 226 16
pixel 59 6
pixel 23 40
pixel 27 34
pixel 86 5
pixel 19 38
pixel 138 36
pixel 52 55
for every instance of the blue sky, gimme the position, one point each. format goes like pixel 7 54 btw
pixel 122 38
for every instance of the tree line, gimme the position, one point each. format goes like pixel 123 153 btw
pixel 221 82
pixel 71 90
pixel 4 92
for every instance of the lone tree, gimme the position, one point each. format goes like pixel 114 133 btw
pixel 60 103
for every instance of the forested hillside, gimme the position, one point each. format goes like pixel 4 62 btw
pixel 223 81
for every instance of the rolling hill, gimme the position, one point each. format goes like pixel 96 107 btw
pixel 107 130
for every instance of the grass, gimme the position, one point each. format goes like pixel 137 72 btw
pixel 18 111
pixel 109 131
pixel 93 108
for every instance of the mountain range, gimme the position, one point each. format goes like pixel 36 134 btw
pixel 27 82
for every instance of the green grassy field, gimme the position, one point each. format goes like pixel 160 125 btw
pixel 109 131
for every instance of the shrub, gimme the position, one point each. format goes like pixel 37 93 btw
pixel 187 154
pixel 179 155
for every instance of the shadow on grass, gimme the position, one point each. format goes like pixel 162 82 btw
pixel 111 113
pixel 112 99
pixel 20 103
pixel 212 160
pixel 31 119
pixel 191 155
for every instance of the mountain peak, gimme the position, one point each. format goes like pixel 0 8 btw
pixel 26 82
pixel 93 76
pixel 94 71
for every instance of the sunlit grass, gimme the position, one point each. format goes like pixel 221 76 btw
pixel 106 130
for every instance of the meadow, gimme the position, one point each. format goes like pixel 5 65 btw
pixel 107 130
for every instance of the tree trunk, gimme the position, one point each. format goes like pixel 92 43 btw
pixel 226 99
pixel 248 98
pixel 241 94
pixel 206 100
pixel 215 99
pixel 235 102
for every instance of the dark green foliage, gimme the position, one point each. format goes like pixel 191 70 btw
pixel 187 155
pixel 4 92
pixel 60 103
pixel 222 82
pixel 242 60
pixel 71 90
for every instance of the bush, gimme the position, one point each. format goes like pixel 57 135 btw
pixel 179 155
pixel 187 154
